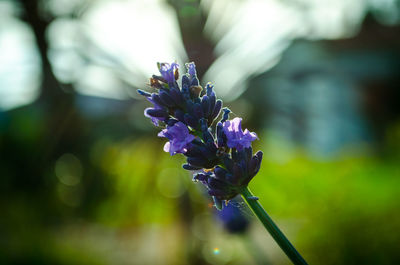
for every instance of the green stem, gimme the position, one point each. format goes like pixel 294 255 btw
pixel 272 228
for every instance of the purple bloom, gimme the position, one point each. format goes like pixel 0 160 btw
pixel 235 136
pixel 168 71
pixel 233 219
pixel 179 138
pixel 191 68
pixel 155 120
pixel 191 80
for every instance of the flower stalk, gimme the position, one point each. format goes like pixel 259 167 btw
pixel 272 228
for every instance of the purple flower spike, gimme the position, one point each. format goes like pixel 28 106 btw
pixel 222 158
pixel 168 71
pixel 179 138
pixel 235 136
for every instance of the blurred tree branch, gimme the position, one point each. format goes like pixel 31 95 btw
pixel 31 15
pixel 192 20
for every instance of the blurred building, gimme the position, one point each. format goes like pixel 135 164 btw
pixel 327 95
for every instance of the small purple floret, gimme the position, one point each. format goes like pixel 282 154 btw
pixel 155 120
pixel 179 138
pixel 168 71
pixel 235 136
pixel 191 68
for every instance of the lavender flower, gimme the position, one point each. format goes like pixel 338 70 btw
pixel 179 138
pixel 233 219
pixel 236 138
pixel 157 109
pixel 188 111
pixel 191 69
pixel 168 71
pixel 227 163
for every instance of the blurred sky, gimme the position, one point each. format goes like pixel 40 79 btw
pixel 96 45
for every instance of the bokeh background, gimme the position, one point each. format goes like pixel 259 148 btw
pixel 84 180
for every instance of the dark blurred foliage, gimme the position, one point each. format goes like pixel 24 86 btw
pixel 85 181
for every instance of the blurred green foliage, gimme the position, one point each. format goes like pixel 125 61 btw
pixel 340 211
pixel 343 211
